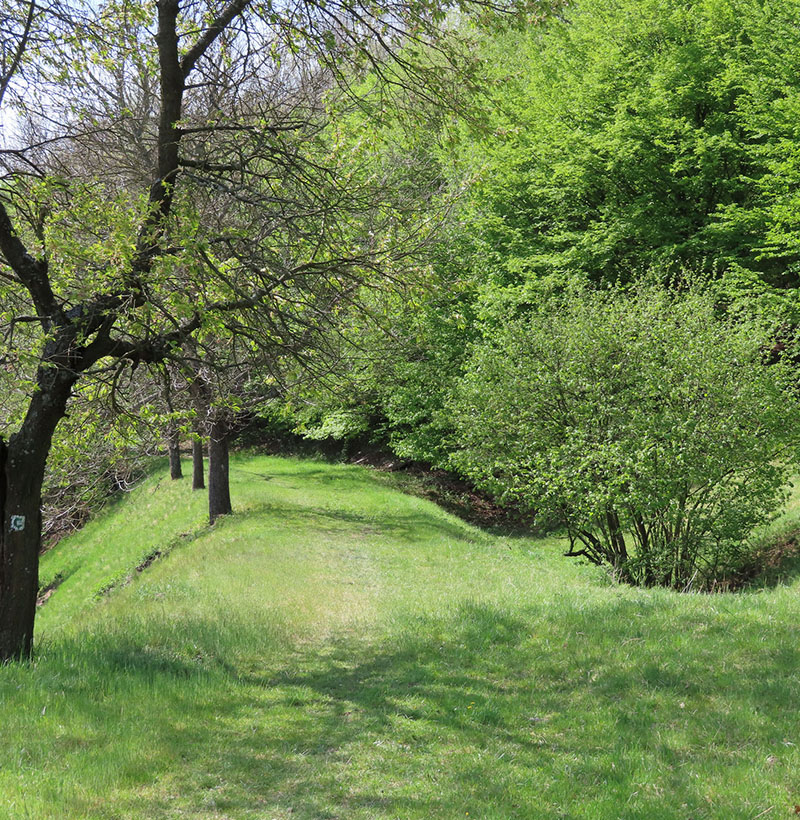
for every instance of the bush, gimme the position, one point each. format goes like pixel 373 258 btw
pixel 649 426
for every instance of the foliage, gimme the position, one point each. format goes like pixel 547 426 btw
pixel 617 136
pixel 636 418
pixel 398 371
pixel 632 133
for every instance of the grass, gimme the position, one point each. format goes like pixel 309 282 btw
pixel 338 649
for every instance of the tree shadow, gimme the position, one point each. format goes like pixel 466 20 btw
pixel 574 713
pixel 447 491
pixel 408 527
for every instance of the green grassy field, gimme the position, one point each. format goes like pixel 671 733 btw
pixel 338 649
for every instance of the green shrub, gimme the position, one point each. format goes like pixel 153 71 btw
pixel 649 426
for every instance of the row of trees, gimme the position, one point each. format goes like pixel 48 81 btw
pixel 176 187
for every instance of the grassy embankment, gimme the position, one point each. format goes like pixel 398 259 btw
pixel 340 650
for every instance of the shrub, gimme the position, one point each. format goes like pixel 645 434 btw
pixel 646 424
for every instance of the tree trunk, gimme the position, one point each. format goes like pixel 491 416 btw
pixel 19 555
pixel 219 491
pixel 198 479
pixel 174 447
pixel 617 539
pixel 22 467
pixel 199 390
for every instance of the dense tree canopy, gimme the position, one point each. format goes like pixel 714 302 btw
pixel 629 134
pixel 619 137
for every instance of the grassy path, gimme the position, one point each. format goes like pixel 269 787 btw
pixel 340 650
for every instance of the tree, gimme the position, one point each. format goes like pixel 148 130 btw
pixel 172 164
pixel 627 134
pixel 649 427
pixel 173 433
pixel 200 398
pixel 393 386
pixel 226 395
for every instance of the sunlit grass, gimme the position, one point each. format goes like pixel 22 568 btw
pixel 337 649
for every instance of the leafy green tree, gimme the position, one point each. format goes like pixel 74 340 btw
pixel 645 424
pixel 395 372
pixel 628 134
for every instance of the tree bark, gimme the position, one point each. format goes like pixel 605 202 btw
pixel 174 447
pixel 219 491
pixel 22 467
pixel 617 539
pixel 199 390
pixel 198 478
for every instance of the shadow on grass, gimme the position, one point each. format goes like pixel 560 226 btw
pixel 406 527
pixel 338 476
pixel 594 712
pixel 446 491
